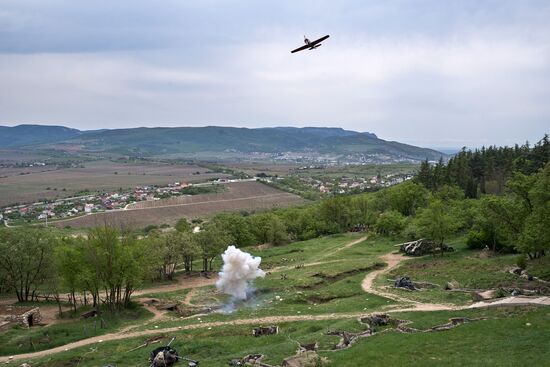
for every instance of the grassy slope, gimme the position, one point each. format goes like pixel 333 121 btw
pixel 502 340
pixel 22 340
pixel 480 343
pixel 469 268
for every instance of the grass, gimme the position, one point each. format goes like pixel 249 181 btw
pixel 19 340
pixel 332 286
pixel 483 343
pixel 467 267
pixel 501 340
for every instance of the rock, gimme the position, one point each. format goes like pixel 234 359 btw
pixel 453 284
pixel 376 320
pixel 516 271
pixel 485 295
pixel 270 330
pixel 404 282
pixel 516 292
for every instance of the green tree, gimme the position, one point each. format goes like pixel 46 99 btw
pixel 534 239
pixel 212 241
pixel 116 263
pixel 167 248
pixel 189 250
pixel 237 226
pixel 435 223
pixel 336 214
pixel 69 264
pixel 183 226
pixel 268 228
pixel 390 223
pixel 26 260
pixel 407 197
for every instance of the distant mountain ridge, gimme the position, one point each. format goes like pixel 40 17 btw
pixel 22 135
pixel 160 141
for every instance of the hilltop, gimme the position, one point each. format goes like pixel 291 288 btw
pixel 308 143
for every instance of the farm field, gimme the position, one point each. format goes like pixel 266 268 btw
pixel 248 196
pixel 314 290
pixel 27 185
pixel 284 169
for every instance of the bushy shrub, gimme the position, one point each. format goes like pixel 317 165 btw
pixel 522 262
pixel 390 223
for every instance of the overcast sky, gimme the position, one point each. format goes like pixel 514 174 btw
pixel 431 73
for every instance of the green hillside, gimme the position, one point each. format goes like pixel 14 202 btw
pixel 190 140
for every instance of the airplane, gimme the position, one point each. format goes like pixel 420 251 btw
pixel 311 45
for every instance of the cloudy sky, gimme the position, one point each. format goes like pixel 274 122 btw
pixel 427 72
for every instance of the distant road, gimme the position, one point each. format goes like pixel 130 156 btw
pixel 242 195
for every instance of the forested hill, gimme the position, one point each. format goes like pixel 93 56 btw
pixel 486 170
pixel 22 135
pixel 190 140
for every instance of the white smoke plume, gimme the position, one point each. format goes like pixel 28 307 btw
pixel 238 271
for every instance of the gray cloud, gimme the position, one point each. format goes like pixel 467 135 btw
pixel 429 72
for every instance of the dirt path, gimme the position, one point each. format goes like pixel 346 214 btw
pixel 189 296
pixel 183 283
pixel 393 261
pixel 157 314
pixel 288 267
pixel 124 334
pixel 318 261
pixel 345 247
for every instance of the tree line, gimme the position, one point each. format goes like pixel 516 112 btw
pixel 109 264
pixel 104 267
pixel 485 170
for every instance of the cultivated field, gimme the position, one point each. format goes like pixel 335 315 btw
pixel 240 196
pixel 367 170
pixel 27 185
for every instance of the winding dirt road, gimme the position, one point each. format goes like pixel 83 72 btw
pixel 392 260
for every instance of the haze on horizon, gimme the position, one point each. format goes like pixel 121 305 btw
pixel 428 73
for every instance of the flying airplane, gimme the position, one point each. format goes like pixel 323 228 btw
pixel 311 45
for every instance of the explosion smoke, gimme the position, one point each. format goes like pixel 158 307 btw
pixel 239 269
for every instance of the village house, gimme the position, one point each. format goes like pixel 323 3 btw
pixel 88 208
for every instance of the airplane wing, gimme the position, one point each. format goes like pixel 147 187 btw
pixel 300 48
pixel 319 40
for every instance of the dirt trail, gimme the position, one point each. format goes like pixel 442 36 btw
pixel 157 314
pixel 288 267
pixel 319 262
pixel 189 296
pixel 183 283
pixel 345 247
pixel 393 261
pixel 124 334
